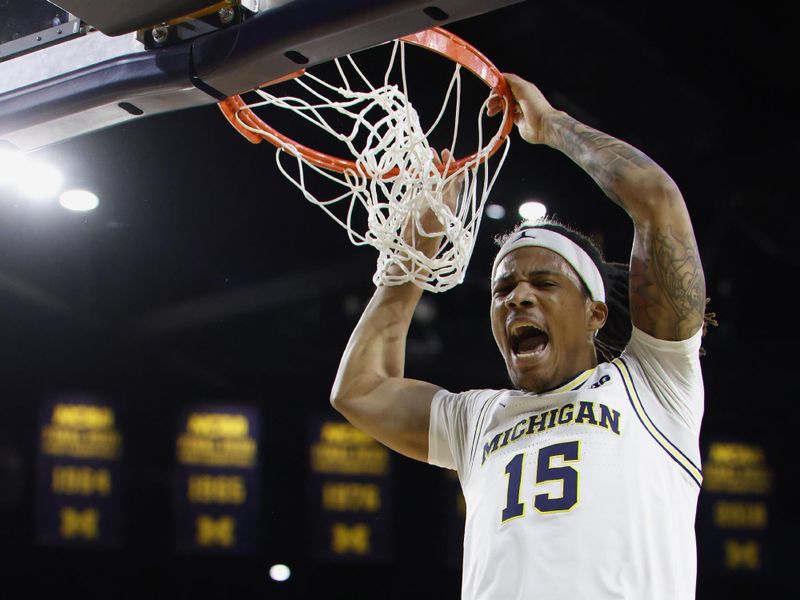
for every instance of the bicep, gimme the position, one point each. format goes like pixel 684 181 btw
pixel 667 285
pixel 396 413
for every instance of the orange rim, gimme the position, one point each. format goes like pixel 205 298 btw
pixel 437 40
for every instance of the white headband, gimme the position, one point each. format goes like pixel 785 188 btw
pixel 576 256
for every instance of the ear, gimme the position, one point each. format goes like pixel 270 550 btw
pixel 596 315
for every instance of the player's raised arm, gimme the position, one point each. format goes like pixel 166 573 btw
pixel 371 389
pixel 667 287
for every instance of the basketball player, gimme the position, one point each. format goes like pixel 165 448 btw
pixel 582 481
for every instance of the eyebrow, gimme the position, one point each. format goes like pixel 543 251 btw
pixel 509 275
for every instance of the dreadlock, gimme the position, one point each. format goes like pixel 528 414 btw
pixel 615 334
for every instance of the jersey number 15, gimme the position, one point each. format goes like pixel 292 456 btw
pixel 545 472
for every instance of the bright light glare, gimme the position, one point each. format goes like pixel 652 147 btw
pixel 280 572
pixel 495 211
pixel 37 180
pixel 11 164
pixel 79 200
pixel 532 211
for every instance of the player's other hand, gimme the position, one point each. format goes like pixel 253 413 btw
pixel 531 109
pixel 453 186
pixel 429 239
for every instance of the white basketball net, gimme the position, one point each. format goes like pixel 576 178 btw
pixel 396 180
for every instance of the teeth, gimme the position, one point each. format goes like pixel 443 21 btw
pixel 517 331
pixel 516 327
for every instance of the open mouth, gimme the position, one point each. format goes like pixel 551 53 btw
pixel 527 339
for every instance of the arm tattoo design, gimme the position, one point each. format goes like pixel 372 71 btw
pixel 667 286
pixel 606 159
pixel 674 270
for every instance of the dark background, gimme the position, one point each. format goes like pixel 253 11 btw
pixel 203 275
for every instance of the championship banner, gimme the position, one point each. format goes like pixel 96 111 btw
pixel 349 494
pixel 217 486
pixel 78 487
pixel 736 508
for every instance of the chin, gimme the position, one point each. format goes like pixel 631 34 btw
pixel 526 382
pixel 538 378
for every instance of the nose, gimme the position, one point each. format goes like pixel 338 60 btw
pixel 522 296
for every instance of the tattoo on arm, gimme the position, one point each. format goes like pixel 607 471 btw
pixel 671 280
pixel 606 159
pixel 667 287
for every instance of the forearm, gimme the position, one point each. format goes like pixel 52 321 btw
pixel 627 175
pixel 376 349
pixel 667 289
pixel 666 286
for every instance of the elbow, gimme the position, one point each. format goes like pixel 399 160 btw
pixel 659 186
pixel 338 394
pixel 341 403
pixel 653 192
pixel 346 407
pixel 336 401
pixel 350 393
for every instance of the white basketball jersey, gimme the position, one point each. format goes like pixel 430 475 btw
pixel 588 491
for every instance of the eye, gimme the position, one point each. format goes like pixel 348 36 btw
pixel 545 283
pixel 502 289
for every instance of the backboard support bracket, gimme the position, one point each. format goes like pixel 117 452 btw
pixel 94 81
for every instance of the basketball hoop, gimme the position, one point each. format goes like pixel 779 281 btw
pixel 392 173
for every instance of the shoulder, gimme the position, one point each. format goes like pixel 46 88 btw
pixel 455 421
pixel 645 348
pixel 668 373
pixel 470 398
pixel 664 363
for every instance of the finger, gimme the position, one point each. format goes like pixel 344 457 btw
pixel 441 162
pixel 516 84
pixel 513 80
pixel 436 158
pixel 518 114
pixel 494 106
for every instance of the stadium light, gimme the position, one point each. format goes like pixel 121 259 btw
pixel 495 211
pixel 532 211
pixel 32 179
pixel 10 165
pixel 79 200
pixel 280 572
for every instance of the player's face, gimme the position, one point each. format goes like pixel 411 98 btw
pixel 542 321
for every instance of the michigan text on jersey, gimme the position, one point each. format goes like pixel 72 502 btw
pixel 586 412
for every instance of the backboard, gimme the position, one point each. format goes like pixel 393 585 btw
pixel 74 66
